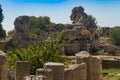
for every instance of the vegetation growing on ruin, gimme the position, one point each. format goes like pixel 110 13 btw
pixel 43 24
pixel 92 23
pixel 49 50
pixel 114 34
pixel 38 54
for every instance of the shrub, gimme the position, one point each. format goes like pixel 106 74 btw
pixel 37 55
pixel 92 23
pixel 114 34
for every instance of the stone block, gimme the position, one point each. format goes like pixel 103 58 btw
pixel 3 66
pixel 76 72
pixel 48 73
pixel 93 66
pixel 58 70
pixel 22 69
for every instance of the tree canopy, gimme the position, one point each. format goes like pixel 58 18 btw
pixel 43 24
pixel 91 22
pixel 2 31
pixel 114 34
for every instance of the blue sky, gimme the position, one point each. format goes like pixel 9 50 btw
pixel 107 12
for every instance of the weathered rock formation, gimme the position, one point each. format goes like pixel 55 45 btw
pixel 81 37
pixel 78 16
pixel 22 24
pixel 57 68
pixel 21 37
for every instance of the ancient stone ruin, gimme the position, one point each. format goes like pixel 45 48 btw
pixel 78 16
pixel 86 68
pixel 22 24
pixel 21 37
pixel 81 37
pixel 3 66
pixel 76 72
pixel 22 69
pixel 22 33
pixel 93 65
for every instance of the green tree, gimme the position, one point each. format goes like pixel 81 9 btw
pixel 2 31
pixel 11 33
pixel 114 34
pixel 91 22
pixel 40 24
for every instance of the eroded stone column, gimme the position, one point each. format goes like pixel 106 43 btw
pixel 76 72
pixel 93 66
pixel 3 66
pixel 58 70
pixel 22 69
pixel 48 73
pixel 83 71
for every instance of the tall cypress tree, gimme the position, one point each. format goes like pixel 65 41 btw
pixel 2 31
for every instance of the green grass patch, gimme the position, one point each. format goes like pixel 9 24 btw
pixel 114 74
pixel 115 70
